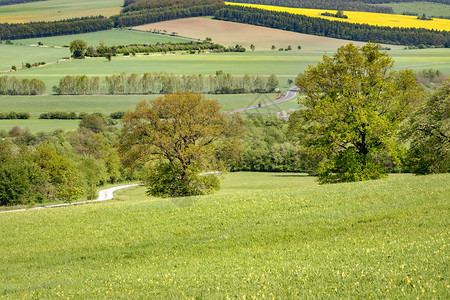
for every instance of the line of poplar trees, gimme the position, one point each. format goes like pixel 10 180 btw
pixel 160 83
pixel 16 86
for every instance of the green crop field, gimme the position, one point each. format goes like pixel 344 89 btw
pixel 107 104
pixel 263 235
pixel 15 55
pixel 51 10
pixel 112 37
pixel 36 125
pixel 428 8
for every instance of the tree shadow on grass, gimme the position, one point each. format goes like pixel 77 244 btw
pixel 291 175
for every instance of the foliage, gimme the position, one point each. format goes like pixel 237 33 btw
pixel 181 132
pixel 12 2
pixel 78 48
pixel 335 29
pixel 159 83
pixel 52 28
pixel 16 86
pixel 353 107
pixel 93 122
pixel 14 115
pixel 428 132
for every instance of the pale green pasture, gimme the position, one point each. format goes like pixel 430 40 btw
pixel 262 236
pixel 112 37
pixel 15 55
pixel 51 10
pixel 428 8
pixel 36 125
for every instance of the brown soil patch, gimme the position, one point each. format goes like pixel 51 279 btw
pixel 230 34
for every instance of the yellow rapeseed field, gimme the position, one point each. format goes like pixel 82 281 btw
pixel 361 17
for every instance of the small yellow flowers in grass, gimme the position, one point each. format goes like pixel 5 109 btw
pixel 361 17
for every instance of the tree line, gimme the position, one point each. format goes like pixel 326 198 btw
pixel 12 2
pixel 102 50
pixel 16 86
pixel 161 83
pixel 135 5
pixel 324 4
pixel 334 29
pixel 14 115
pixel 63 115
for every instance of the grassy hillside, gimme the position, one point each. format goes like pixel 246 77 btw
pixel 113 37
pixel 262 235
pixel 428 8
pixel 51 10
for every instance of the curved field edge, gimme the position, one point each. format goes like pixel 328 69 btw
pixel 270 234
pixel 375 19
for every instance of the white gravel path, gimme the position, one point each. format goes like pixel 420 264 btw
pixel 103 195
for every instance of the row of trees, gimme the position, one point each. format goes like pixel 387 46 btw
pixel 63 115
pixel 102 50
pixel 14 115
pixel 334 29
pixel 16 86
pixel 351 5
pixel 58 166
pixel 54 28
pixel 161 83
pixel 11 2
pixel 136 5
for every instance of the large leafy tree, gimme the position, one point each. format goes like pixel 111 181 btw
pixel 353 105
pixel 176 138
pixel 428 132
pixel 78 48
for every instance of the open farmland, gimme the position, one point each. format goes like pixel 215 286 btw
pixel 112 37
pixel 285 64
pixel 263 235
pixel 16 55
pixel 230 34
pixel 361 17
pixel 51 10
pixel 427 8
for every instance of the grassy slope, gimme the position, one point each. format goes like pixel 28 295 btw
pixel 278 235
pixel 51 10
pixel 16 55
pixel 428 8
pixel 112 37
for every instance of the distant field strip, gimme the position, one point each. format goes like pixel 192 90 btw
pixel 360 17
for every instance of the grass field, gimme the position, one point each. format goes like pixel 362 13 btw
pixel 361 17
pixel 428 8
pixel 112 37
pixel 15 55
pixel 36 125
pixel 230 34
pixel 35 105
pixel 263 235
pixel 51 10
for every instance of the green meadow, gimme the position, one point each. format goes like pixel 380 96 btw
pixel 112 37
pixel 35 105
pixel 51 10
pixel 263 235
pixel 428 8
pixel 16 55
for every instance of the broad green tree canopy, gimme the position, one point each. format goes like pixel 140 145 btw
pixel 354 104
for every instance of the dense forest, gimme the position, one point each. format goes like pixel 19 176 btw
pixel 334 29
pixel 54 28
pixel 135 5
pixel 12 2
pixel 161 83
